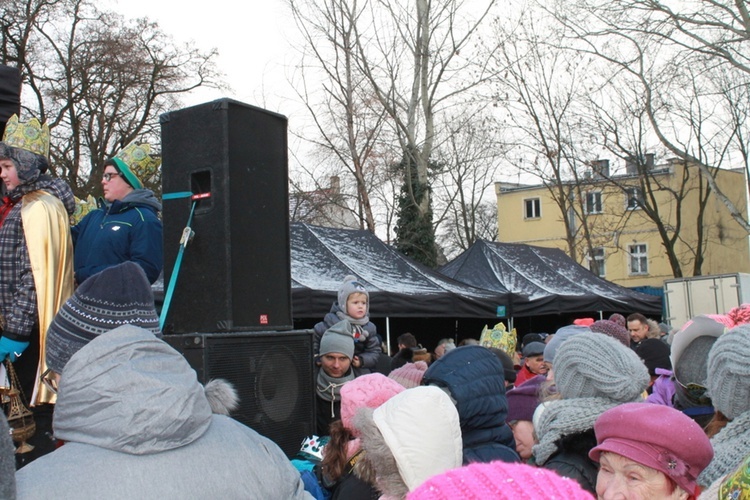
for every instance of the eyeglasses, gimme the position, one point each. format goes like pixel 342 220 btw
pixel 48 379
pixel 107 176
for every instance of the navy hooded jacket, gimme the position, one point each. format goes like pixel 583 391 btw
pixel 474 378
pixel 124 230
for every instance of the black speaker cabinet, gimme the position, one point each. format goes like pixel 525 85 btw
pixel 235 273
pixel 10 94
pixel 272 372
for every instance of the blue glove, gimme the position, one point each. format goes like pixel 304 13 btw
pixel 11 348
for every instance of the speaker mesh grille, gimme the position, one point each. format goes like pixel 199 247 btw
pixel 273 376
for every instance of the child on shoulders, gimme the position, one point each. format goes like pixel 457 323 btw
pixel 353 305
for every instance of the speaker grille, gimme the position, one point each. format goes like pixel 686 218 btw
pixel 272 373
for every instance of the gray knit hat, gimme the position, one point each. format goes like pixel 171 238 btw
pixel 561 336
pixel 349 286
pixel 729 372
pixel 594 365
pixel 338 339
pixel 117 296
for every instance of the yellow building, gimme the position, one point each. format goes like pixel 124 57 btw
pixel 625 242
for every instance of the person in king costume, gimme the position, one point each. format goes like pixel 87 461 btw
pixel 36 263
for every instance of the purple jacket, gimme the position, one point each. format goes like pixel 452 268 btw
pixel 663 389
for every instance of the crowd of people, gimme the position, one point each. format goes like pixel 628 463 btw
pixel 616 408
pixel 622 407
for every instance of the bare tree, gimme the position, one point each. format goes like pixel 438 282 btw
pixel 468 164
pixel 98 80
pixel 348 121
pixel 542 95
pixel 673 53
pixel 665 195
pixel 392 69
pixel 412 59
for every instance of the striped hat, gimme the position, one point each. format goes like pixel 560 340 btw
pixel 117 296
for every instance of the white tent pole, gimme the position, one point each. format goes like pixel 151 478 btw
pixel 388 334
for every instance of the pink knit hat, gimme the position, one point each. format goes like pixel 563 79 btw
pixel 367 391
pixel 500 481
pixel 656 436
pixel 410 375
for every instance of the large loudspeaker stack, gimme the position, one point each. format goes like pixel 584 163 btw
pixel 10 94
pixel 230 312
pixel 235 273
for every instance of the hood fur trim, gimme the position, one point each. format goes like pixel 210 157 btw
pixel 222 396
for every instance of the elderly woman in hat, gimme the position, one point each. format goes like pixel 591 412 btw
pixel 649 451
pixel 593 373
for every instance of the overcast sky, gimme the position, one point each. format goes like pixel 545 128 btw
pixel 251 38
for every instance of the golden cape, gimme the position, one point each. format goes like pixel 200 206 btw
pixel 47 230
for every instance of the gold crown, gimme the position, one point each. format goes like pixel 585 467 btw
pixel 138 158
pixel 83 207
pixel 31 135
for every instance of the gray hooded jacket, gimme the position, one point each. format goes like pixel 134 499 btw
pixel 137 424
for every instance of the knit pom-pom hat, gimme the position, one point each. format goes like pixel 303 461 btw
pixel 119 295
pixel 499 481
pixel 729 372
pixel 367 391
pixel 612 329
pixel 349 286
pixel 619 319
pixel 594 365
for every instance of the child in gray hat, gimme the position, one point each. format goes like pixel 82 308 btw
pixel 353 306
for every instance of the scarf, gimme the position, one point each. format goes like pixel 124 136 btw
pixel 358 332
pixel 329 388
pixel 5 209
pixel 564 417
pixel 731 447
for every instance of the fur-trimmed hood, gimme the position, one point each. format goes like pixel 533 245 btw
pixel 401 449
pixel 129 391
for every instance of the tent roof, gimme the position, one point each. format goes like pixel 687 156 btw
pixel 398 286
pixel 552 282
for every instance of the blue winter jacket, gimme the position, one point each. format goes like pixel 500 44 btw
pixel 127 229
pixel 474 378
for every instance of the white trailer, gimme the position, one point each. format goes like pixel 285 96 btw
pixel 716 294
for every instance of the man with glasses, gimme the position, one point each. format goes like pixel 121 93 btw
pixel 126 226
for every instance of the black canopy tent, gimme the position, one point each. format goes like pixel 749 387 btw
pixel 544 281
pixel 398 286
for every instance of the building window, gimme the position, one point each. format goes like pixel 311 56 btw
pixel 593 202
pixel 596 262
pixel 532 208
pixel 638 258
pixel 634 198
